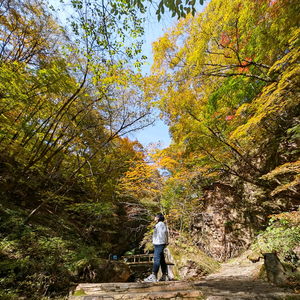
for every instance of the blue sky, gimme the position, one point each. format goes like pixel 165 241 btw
pixel 153 30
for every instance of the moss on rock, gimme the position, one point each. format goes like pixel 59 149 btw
pixel 255 256
pixel 190 262
pixel 79 293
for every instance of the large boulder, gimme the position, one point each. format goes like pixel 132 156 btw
pixel 190 263
pixel 274 268
pixel 101 270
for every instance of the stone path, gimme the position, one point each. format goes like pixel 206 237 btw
pixel 172 290
pixel 236 282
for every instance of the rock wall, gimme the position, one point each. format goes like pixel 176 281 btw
pixel 233 215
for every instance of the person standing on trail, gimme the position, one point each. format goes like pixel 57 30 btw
pixel 160 241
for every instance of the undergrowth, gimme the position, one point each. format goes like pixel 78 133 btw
pixel 282 235
pixel 39 261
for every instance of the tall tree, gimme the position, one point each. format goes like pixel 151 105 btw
pixel 213 75
pixel 66 95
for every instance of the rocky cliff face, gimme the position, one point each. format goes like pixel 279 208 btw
pixel 234 214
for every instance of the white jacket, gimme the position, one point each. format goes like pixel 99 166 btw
pixel 160 234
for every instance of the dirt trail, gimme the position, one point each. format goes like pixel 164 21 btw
pixel 238 281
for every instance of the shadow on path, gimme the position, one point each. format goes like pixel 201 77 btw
pixel 237 282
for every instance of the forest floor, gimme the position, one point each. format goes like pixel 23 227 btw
pixel 238 279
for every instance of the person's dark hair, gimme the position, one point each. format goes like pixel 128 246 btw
pixel 160 217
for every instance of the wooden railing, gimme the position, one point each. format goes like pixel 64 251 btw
pixel 140 259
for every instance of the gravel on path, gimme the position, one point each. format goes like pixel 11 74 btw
pixel 239 281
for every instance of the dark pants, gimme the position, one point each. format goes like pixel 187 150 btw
pixel 159 259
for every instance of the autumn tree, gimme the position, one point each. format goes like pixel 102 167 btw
pixel 160 181
pixel 66 95
pixel 140 188
pixel 221 73
pixel 182 191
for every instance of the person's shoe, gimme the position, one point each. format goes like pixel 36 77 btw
pixel 164 277
pixel 151 278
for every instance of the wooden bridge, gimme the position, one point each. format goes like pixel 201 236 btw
pixel 141 259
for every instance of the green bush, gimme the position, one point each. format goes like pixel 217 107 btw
pixel 282 234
